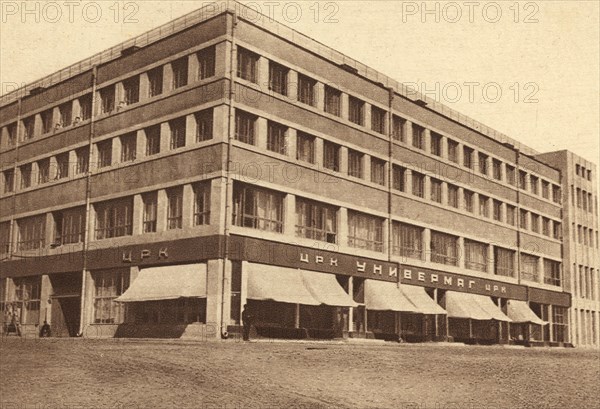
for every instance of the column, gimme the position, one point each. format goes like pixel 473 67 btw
pixel 92 224
pixel 490 259
pixel 216 288
pixel 167 78
pixel 319 152
pixel 444 150
pixel 72 163
pixel 193 66
pixel 138 215
pixel 343 227
pixel 502 172
pixel 119 95
pixel 461 198
pixel 76 111
pixel 367 115
pixel 427 188
pixel 408 181
pixel 320 96
pixel 222 59
pixel 291 143
pixel 56 122
pixel 53 170
pixel 188 206
pixel 292 85
pixel 344 160
pixel 87 304
pixel 460 154
pixel 144 86
pixel 289 214
pixel 116 150
pixel 445 193
pixel 190 129
pixel 220 120
pixel 49 229
pixel 366 160
pixel 165 137
pixel 461 252
pixel 351 309
pixel 261 133
pixel 34 174
pixel 408 132
pixel 45 305
pixel 427 140
pixel 140 143
pixel 344 106
pixel 161 210
pixel 426 245
pixel 263 74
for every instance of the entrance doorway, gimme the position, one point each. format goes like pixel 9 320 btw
pixel 65 315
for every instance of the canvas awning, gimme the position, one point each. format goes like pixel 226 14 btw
pixel 473 306
pixel 386 296
pixel 520 312
pixel 167 283
pixel 325 288
pixel 424 303
pixel 280 284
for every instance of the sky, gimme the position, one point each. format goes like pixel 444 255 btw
pixel 530 70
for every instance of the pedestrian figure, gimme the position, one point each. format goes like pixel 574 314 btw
pixel 247 319
pixel 45 330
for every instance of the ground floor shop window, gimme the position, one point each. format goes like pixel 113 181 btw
pixel 22 305
pixel 180 311
pixel 560 324
pixel 108 285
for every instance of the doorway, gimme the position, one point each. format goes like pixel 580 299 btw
pixel 65 315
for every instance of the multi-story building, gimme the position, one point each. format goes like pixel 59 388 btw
pixel 218 161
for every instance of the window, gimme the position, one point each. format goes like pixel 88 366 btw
pixel 175 208
pixel 496 169
pixel 257 208
pixel 418 137
pixel 523 219
pixel 43 171
pixel 180 72
pixel 497 210
pixel 177 127
pixel 418 184
pixel 452 151
pixel 590 203
pixel 444 248
pixel 306 90
pixel 510 175
pixel 398 174
pixel 114 218
pixel 436 144
pixel 155 78
pixel 556 230
pixel 398 128
pixel 475 255
pixel 483 163
pixel 560 323
pixel 11 131
pixel 534 181
pixel 305 147
pixel 278 78
pixel 32 233
pixel 510 215
pixel 5 242
pixel 484 208
pixel 108 285
pixel 589 175
pixel 356 108
pixel 247 63
pixel 504 262
pixel 85 107
pixel 407 240
pixel 551 272
pixel 378 171
pixel 204 125
pixel 522 180
pixel 355 163
pixel 104 153
pixel 331 156
pixel 468 199
pixel 69 226
pixel 546 226
pixel 535 223
pixel 579 198
pixel 150 201
pixel 436 191
pixel 26 299
pixel 128 147
pixel 62 165
pixel 378 119
pixel 152 140
pixel 365 231
pixel 453 196
pixel 529 267
pixel 47 119
pixel 333 99
pixel 276 137
pixel 545 189
pixel 316 221
pixel 25 171
pixel 206 63
pixel 107 99
pixel 9 180
pixel 29 128
pixel 468 157
pixel 131 90
pixel 83 158
pixel 201 203
pixel 244 127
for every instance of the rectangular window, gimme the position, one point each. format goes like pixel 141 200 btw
pixel 504 262
pixel 483 163
pixel 206 63
pixel 545 189
pixel 43 171
pixel 510 215
pixel 535 223
pixel 444 248
pixel 108 285
pixel 365 231
pixel 484 208
pixel 306 90
pixel 244 127
pixel 497 210
pixel 418 136
pixel 522 180
pixel 398 128
pixel 180 72
pixel 355 163
pixel 453 196
pixel 510 175
pixel 316 221
pixel 25 171
pixel 378 119
pixel 114 218
pixel 546 226
pixel 556 230
pixel 278 75
pixel 201 204
pixel 398 174
pixel 590 203
pixel 32 233
pixel 331 156
pixel 257 208
pixel 62 165
pixel 29 128
pixel 9 180
pixel 155 78
pixel 104 153
pixel 152 140
pixel 529 267
pixel 5 242
pixel 378 171
pixel 204 125
pixel 333 101
pixel 47 120
pixel 475 255
pixel 407 240
pixel 523 224
pixel 177 128
pixel 175 208
pixel 305 147
pixel 27 299
pixel 452 151
pixel 418 184
pixel 150 201
pixel 11 130
pixel 356 110
pixel 468 157
pixel 247 63
pixel 468 199
pixel 69 226
pixel 436 191
pixel 83 160
pixel 131 88
pixel 497 169
pixel 128 147
pixel 85 107
pixel 107 99
pixel 534 181
pixel 276 137
pixel 436 144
